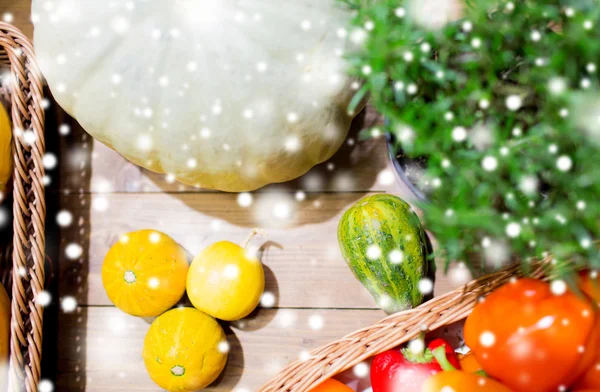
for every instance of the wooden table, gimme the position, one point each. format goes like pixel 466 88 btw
pixel 98 348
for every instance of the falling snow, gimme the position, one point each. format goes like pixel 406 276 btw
pixel 513 229
pixel 425 286
pixel 45 386
pixel 489 163
pixel 267 300
pixel 361 370
pixel 316 322
pixel 487 339
pixel 558 287
pixel 73 251
pixel 373 252
pixel 43 298
pixel 68 304
pixel 564 163
pixel 416 346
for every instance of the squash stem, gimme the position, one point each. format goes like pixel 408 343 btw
pixel 256 231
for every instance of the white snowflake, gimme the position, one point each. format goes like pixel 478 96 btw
pixel 528 184
pixel 564 163
pixel 373 252
pixel 100 203
pixel 64 218
pixel 481 136
pixel 459 134
pixel 45 386
pixel 513 102
pixel 434 14
pixel 361 370
pixel 267 300
pixel 68 304
pixel 223 346
pixel 558 287
pixel 316 322
pixel 396 256
pixel 487 339
pixel 425 286
pixel 513 229
pixel 43 298
pixel 244 199
pixel 416 346
pixel 489 163
pixel 557 85
pixel 73 251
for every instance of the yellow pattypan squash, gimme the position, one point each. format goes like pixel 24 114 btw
pixel 144 273
pixel 225 281
pixel 5 151
pixel 184 350
pixel 4 337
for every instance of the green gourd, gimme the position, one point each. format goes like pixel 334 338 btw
pixel 385 246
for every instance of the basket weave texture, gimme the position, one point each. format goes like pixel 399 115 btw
pixel 392 331
pixel 25 89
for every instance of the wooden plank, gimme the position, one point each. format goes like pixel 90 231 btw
pixel 303 263
pixel 89 166
pixel 20 10
pixel 100 347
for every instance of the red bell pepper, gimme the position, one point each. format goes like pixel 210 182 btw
pixel 450 354
pixel 401 370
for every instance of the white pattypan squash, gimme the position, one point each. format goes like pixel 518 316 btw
pixel 225 94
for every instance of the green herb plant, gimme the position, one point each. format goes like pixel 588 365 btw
pixel 503 102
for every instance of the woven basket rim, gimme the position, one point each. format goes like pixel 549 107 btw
pixel 392 331
pixel 25 88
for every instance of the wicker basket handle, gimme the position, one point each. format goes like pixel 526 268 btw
pixel 29 208
pixel 392 331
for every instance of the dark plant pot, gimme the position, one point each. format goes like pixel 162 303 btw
pixel 401 163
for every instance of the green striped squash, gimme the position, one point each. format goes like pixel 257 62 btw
pixel 384 244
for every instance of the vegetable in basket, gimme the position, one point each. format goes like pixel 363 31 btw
pixel 532 336
pixel 403 370
pixel 469 364
pixel 589 283
pixel 460 381
pixel 332 385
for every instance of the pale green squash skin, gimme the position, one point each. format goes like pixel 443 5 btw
pixel 390 223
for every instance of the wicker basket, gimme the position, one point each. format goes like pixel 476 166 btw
pixel 392 331
pixel 29 208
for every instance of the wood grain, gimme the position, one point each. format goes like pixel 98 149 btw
pixel 21 14
pixel 303 263
pixel 101 347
